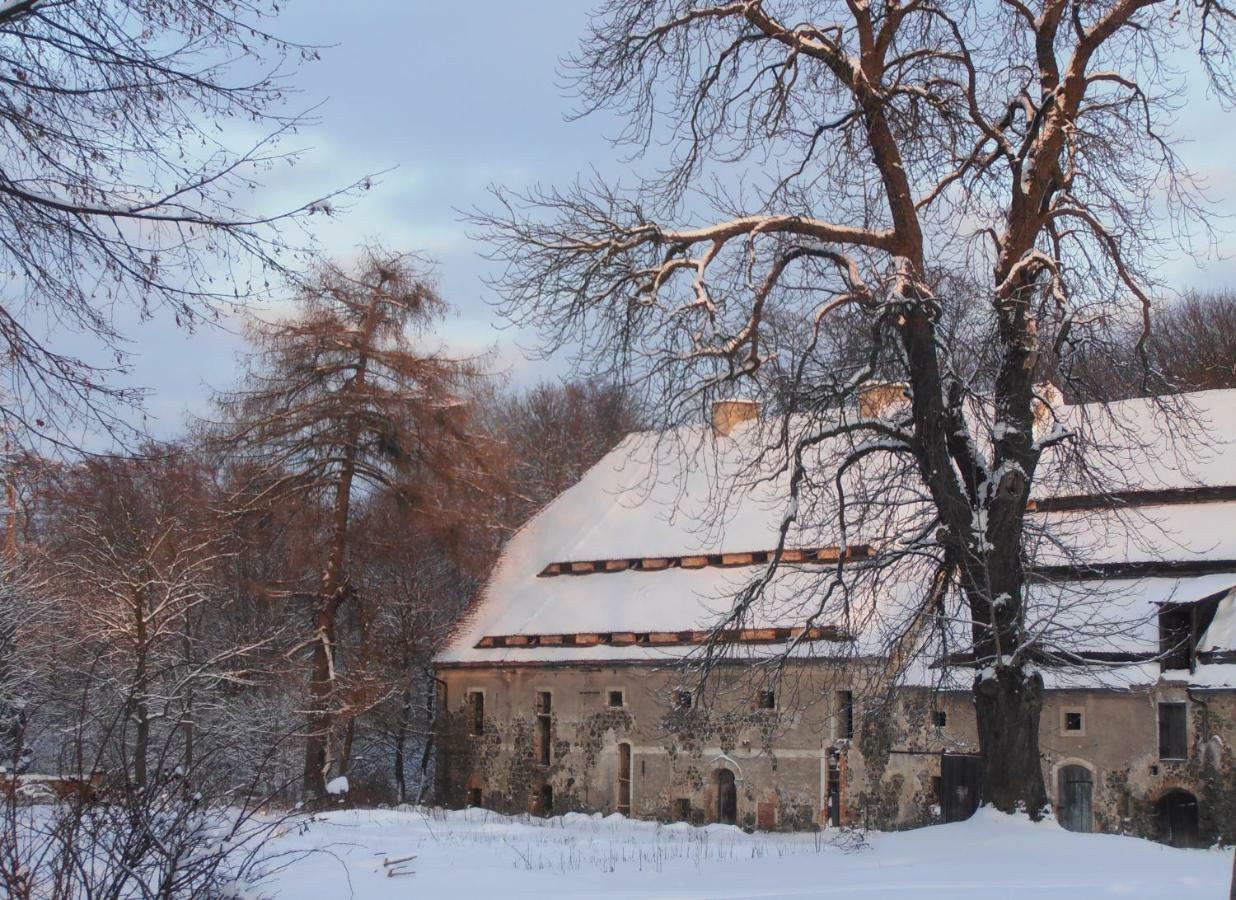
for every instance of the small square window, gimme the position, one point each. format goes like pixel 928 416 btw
pixel 682 699
pixel 616 700
pixel 768 700
pixel 939 717
pixel 1072 721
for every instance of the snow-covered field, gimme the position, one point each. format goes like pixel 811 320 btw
pixel 475 853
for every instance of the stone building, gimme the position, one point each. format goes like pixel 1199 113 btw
pixel 568 686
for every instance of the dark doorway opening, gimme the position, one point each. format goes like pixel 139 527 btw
pixel 1076 798
pixel 1178 819
pixel 834 790
pixel 727 797
pixel 961 786
pixel 624 779
pixel 545 802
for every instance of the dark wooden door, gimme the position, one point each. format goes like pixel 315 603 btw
pixel 1178 819
pixel 1076 798
pixel 961 786
pixel 834 792
pixel 727 797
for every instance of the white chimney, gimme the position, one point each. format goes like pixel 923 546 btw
pixel 729 414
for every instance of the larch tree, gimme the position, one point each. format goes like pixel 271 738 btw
pixel 850 158
pixel 128 187
pixel 340 402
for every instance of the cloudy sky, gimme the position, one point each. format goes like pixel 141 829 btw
pixel 452 97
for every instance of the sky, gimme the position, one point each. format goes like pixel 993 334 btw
pixel 449 98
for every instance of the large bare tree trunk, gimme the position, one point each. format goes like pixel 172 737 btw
pixel 322 675
pixel 334 587
pixel 317 762
pixel 1007 706
pixel 322 678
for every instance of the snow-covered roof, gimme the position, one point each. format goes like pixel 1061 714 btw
pixel 1221 635
pixel 675 495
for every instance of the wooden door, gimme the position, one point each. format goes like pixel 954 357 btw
pixel 1076 798
pixel 1178 819
pixel 727 797
pixel 961 786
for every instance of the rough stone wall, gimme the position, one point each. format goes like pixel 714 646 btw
pixel 779 756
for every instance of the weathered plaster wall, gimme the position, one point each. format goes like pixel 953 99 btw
pixel 779 757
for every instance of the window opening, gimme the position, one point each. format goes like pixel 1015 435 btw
pixel 544 706
pixel 845 707
pixel 1173 731
pixel 477 701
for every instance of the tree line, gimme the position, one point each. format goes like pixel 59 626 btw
pixel 261 598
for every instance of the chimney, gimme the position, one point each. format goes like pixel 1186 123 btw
pixel 729 414
pixel 1047 402
pixel 876 398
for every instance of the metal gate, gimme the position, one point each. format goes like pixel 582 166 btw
pixel 1076 798
pixel 961 786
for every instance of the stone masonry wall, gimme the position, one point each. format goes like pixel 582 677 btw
pixel 779 757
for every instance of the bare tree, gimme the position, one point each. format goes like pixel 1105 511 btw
pixel 553 433
pixel 1190 348
pixel 832 158
pixel 414 581
pixel 133 557
pixel 340 402
pixel 1193 346
pixel 120 188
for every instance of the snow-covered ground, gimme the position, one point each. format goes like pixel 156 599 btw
pixel 475 853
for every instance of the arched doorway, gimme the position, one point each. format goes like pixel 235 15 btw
pixel 1076 794
pixel 726 792
pixel 1178 819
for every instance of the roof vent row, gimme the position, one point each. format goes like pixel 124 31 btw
pixel 857 552
pixel 664 638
